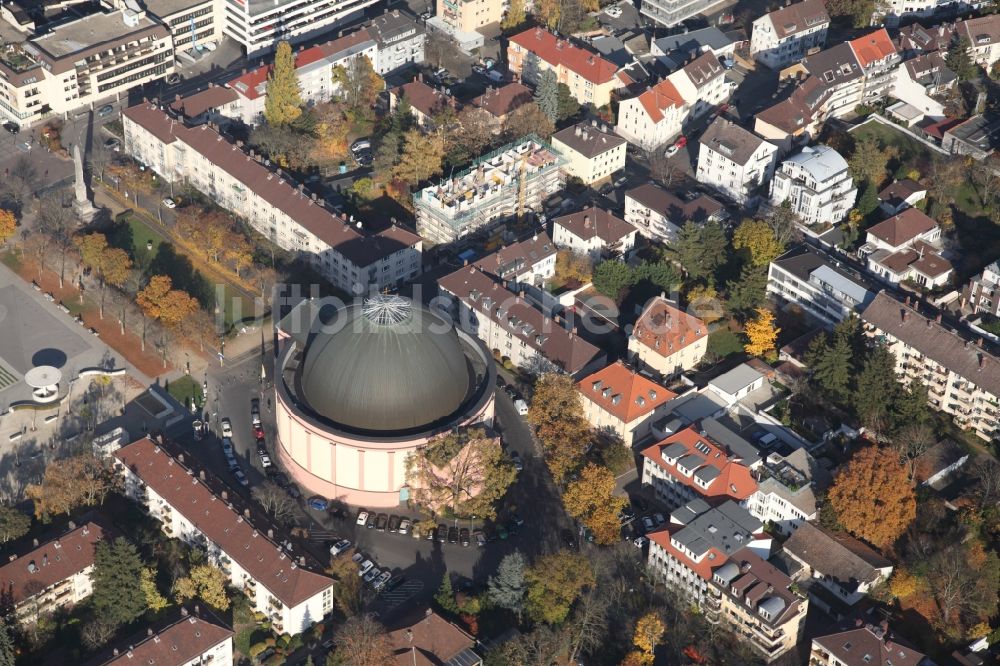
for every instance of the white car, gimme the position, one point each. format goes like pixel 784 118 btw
pixel 404 526
pixel 372 575
pixel 227 428
pixel 362 518
pixel 614 11
pixel 382 579
pixel 265 460
pixel 339 547
pixel 169 203
pixel 366 566
pixel 672 150
pixel 640 541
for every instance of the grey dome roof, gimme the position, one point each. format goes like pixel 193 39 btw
pixel 392 365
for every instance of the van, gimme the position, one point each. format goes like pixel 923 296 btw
pixel 494 76
pixel 522 407
pixel 767 441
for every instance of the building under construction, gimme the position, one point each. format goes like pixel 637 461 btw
pixel 503 184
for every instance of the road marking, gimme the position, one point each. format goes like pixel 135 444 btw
pixel 402 593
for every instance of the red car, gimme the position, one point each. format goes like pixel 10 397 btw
pixel 258 431
pixel 681 142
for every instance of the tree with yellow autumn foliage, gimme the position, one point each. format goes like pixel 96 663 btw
pixel 591 500
pixel 761 334
pixel 872 496
pixel 8 225
pixel 757 237
pixel 648 634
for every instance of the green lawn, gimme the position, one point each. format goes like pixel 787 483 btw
pixel 912 153
pixel 184 390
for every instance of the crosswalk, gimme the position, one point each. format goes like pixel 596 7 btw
pixel 401 594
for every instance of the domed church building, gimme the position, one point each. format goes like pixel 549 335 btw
pixel 358 388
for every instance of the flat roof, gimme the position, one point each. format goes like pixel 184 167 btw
pixel 165 8
pixel 89 32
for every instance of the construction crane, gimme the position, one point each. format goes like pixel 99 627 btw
pixel 522 189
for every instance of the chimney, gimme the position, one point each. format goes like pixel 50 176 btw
pixel 201 475
pixel 979 342
pixel 72 525
pixel 270 533
pixel 184 611
pixel 149 631
pixel 35 542
pixel 225 496
pixel 938 318
pixel 586 221
pixel 246 513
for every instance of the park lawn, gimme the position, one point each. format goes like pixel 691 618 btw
pixel 185 391
pixel 912 153
pixel 141 235
pixel 12 260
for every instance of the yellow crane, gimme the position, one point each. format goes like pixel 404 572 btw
pixel 522 189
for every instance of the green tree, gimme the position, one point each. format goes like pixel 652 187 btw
pixel 116 576
pixel 547 95
pixel 613 278
pixel 445 595
pixel 7 650
pixel 869 161
pixel 701 250
pixel 876 389
pixel 758 239
pixel 515 15
pixel 283 102
pixel 507 588
pixel 662 274
pixel 555 581
pixel 748 291
pixel 154 600
pixel 13 523
pixel 567 106
pixel 959 61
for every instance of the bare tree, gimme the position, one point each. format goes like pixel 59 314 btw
pixel 588 626
pixel 22 181
pixel 362 641
pixel 275 500
pixel 910 443
pixel 661 168
pixel 58 221
pixel 987 470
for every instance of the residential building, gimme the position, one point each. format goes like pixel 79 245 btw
pixel 400 40
pixel 841 79
pixel 528 262
pixel 795 120
pixel 735 161
pixel 53 575
pixel 736 384
pixel 425 101
pixel 688 465
pixel 977 137
pixel 962 378
pixel 667 339
pixel 258 25
pixel 214 104
pixel 787 485
pixel 922 77
pixel 983 34
pixel 313 68
pixel 660 113
pixel 877 57
pixel 902 194
pixel 915 39
pixel 822 286
pixel 591 154
pixel 503 101
pixel 905 247
pixel 659 214
pixel 715 558
pixel 596 233
pixel 982 294
pixel 83 62
pixel 817 184
pixel 432 641
pixel 192 23
pixel 353 259
pixel 188 641
pixel 620 401
pixel 513 328
pixel 867 645
pixel 788 34
pixel 674 51
pixel 672 12
pixel 589 77
pixel 505 183
pixel 191 505
pixel 469 16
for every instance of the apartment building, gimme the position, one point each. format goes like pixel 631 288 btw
pixel 667 339
pixel 258 25
pixel 841 564
pixel 822 286
pixel 53 575
pixel 596 233
pixel 865 645
pixel 432 640
pixel 914 39
pixel 620 401
pixel 659 214
pixel 497 186
pixel 81 63
pixel 660 113
pixel 962 377
pixel 400 41
pixel 468 16
pixel 513 328
pixel 355 260
pixel 921 77
pixel 528 262
pixel 425 102
pixel 982 294
pixel 589 77
pixel 716 558
pixel 788 34
pixel 591 154
pixel 689 465
pixel 191 505
pixel 313 68
pixel 841 79
pixel 878 59
pixel 786 489
pixel 983 34
pixel 192 23
pixel 905 247
pixel 672 12
pixel 817 185
pixel 188 641
pixel 673 51
pixel 500 102
pixel 735 161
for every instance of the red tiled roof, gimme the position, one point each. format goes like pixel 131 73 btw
pixel 180 643
pixel 53 562
pixel 900 229
pixel 422 97
pixel 499 102
pixel 360 249
pixel 436 641
pixel 253 84
pixel 636 395
pixel 872 47
pixel 734 480
pixel 211 98
pixel 798 17
pixel 703 568
pixel 672 328
pixel 661 96
pixel 222 524
pixel 557 51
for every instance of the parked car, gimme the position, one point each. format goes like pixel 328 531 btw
pixel 293 490
pixel 521 406
pixel 607 188
pixel 265 460
pixel 357 557
pixel 478 69
pixel 258 432
pixel 480 538
pixel 404 525
pixel 382 579
pixel 241 478
pixel 626 515
pixel 381 522
pixel 366 566
pixel 442 533
pixel 231 462
pixel 394 583
pixel 463 536
pixel 169 203
pixel 13 128
pixel 317 503
pixel 372 519
pixel 452 535
pixel 174 78
pixel 340 547
pixel 640 541
pixel 262 449
pixel 227 428
pixel 658 517
pixel 515 458
pixel 362 517
pixel 227 446
pixel 516 519
pixel 361 145
pixel 113 144
pixel 393 523
pixel 372 574
pixel 648 523
pixel 105 110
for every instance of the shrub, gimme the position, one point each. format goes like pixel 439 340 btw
pixel 256 649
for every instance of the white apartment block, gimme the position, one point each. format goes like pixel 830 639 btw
pixel 906 247
pixel 619 401
pixel 962 376
pixel 660 214
pixel 673 12
pixel 258 25
pixel 53 575
pixel 817 184
pixel 529 262
pixel 735 161
pixel 668 340
pixel 787 35
pixel 190 641
pixel 399 39
pixel 192 23
pixel 82 63
pixel 192 507
pixel 877 56
pixel 590 154
pixel 785 496
pixel 819 284
pixel 513 328
pixel 268 201
pixel 595 233
pixel 982 293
